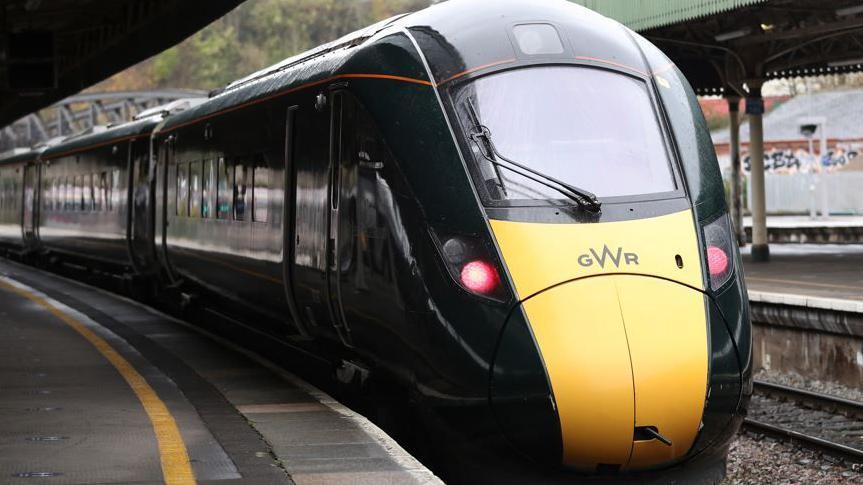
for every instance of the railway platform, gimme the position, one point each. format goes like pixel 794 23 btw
pixel 816 271
pixel 95 388
pixel 807 311
pixel 803 229
pixel 808 286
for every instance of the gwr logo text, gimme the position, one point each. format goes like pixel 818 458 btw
pixel 616 258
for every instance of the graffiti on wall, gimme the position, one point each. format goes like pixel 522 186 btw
pixel 791 161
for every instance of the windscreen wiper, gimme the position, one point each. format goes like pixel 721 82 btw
pixel 482 136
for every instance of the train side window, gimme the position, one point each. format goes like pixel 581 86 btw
pixel 114 189
pixel 224 189
pixel 65 196
pixel 71 194
pixel 97 194
pixel 52 195
pixel 103 190
pixel 207 185
pixel 78 193
pixel 46 194
pixel 47 201
pixel 89 197
pixel 195 189
pixel 182 189
pixel 261 193
pixel 240 181
pixel 55 193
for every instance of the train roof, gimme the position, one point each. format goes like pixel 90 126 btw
pixel 456 36
pixel 142 125
pixel 18 155
pixel 113 134
pixel 313 66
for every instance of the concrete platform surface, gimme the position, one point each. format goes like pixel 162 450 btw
pixel 808 271
pixel 805 230
pixel 806 221
pixel 95 388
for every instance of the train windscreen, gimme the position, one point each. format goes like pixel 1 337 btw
pixel 587 128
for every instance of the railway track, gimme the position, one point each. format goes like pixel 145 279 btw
pixel 826 423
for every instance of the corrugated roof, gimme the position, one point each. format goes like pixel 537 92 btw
pixel 841 109
pixel 647 14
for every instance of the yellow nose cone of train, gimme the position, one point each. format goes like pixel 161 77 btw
pixel 624 344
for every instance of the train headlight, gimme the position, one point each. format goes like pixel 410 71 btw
pixel 720 251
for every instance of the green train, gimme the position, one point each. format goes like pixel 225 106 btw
pixel 511 209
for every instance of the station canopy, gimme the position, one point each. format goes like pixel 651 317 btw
pixel 50 49
pixel 721 44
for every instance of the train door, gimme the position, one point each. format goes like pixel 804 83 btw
pixel 165 172
pixel 140 228
pixel 30 210
pixel 316 149
pixel 342 189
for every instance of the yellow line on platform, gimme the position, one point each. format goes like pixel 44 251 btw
pixel 176 468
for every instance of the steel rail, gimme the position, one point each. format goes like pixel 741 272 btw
pixel 847 407
pixel 813 399
pixel 835 449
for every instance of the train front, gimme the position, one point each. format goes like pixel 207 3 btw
pixel 592 160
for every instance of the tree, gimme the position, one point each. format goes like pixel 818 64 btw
pixel 256 34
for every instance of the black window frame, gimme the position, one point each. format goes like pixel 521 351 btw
pixel 675 167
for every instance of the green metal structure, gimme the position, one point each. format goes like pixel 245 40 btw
pixel 648 14
pixel 722 45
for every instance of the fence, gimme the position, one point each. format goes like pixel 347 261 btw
pixel 797 193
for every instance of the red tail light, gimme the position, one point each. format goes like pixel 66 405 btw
pixel 721 251
pixel 479 276
pixel 717 261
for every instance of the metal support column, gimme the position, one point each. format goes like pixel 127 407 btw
pixel 736 196
pixel 755 110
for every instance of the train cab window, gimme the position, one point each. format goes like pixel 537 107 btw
pixel 207 193
pixel 261 194
pixel 182 189
pixel 195 189
pixel 241 179
pixel 224 189
pixel 594 129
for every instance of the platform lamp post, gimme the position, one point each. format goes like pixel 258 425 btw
pixel 808 127
pixel 807 130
